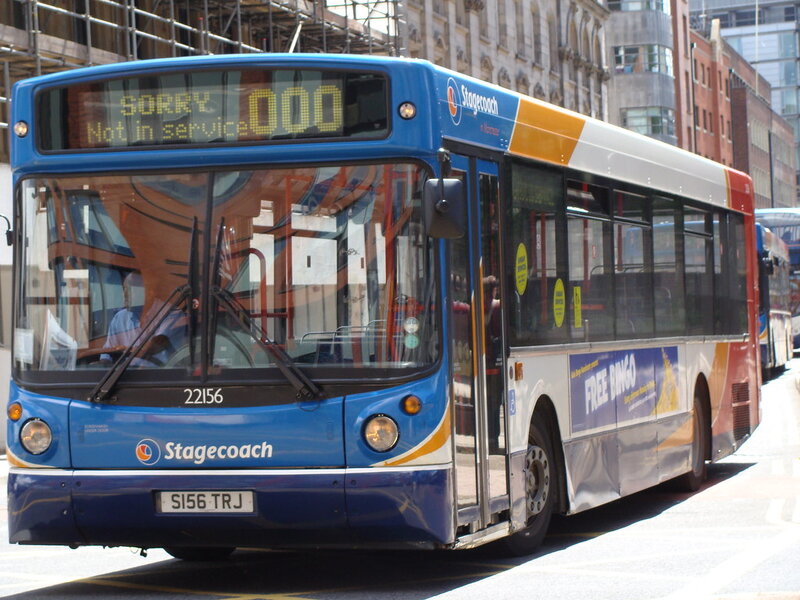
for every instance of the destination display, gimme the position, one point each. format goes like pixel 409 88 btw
pixel 217 107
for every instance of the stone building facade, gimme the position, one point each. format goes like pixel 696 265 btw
pixel 551 50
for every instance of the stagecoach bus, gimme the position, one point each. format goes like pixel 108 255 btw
pixel 320 301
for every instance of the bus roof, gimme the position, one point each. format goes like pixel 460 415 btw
pixel 473 110
pixel 467 109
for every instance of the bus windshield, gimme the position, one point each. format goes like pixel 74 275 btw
pixel 218 268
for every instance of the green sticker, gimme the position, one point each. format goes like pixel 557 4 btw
pixel 522 269
pixel 559 302
pixel 411 341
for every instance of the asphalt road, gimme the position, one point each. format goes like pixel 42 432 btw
pixel 736 539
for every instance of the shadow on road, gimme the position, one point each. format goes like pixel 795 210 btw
pixel 359 574
pixel 566 531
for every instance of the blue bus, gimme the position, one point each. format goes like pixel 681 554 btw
pixel 785 224
pixel 345 301
pixel 774 309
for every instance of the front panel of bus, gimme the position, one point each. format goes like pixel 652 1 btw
pixel 226 309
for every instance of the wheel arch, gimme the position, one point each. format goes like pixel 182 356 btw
pixel 702 394
pixel 545 411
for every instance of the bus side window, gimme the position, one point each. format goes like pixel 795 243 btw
pixel 535 260
pixel 669 307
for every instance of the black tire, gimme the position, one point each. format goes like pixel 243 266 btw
pixel 200 554
pixel 691 481
pixel 541 483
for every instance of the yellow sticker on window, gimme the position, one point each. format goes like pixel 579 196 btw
pixel 559 302
pixel 577 309
pixel 522 269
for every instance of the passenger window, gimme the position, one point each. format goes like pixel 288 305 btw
pixel 535 269
pixel 591 287
pixel 668 289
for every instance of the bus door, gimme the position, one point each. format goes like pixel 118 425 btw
pixel 477 347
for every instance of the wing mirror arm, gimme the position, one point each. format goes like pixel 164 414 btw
pixel 444 204
pixel 9 230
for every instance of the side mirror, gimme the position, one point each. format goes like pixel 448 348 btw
pixel 768 265
pixel 445 208
pixel 9 231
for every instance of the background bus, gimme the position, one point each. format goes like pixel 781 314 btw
pixel 774 309
pixel 316 300
pixel 785 223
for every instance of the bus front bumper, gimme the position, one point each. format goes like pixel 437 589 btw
pixel 398 507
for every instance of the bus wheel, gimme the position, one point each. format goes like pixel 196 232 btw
pixel 541 487
pixel 691 481
pixel 200 554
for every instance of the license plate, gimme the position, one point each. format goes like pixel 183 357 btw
pixel 211 501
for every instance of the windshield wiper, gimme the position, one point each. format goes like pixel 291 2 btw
pixel 307 390
pixel 109 380
pixel 180 294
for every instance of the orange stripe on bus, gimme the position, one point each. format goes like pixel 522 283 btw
pixel 545 132
pixel 436 441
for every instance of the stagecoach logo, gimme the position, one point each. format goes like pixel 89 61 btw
pixel 454 101
pixel 148 452
pixel 460 98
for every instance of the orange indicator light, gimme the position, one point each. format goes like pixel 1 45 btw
pixel 412 405
pixel 15 411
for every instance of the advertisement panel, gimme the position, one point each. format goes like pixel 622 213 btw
pixel 622 386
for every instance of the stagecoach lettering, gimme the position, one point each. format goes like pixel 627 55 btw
pixel 203 396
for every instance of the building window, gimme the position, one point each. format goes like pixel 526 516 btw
pixel 520 18
pixel 636 5
pixel 747 17
pixel 553 39
pixel 650 120
pixel 688 89
pixel 461 13
pixel 537 36
pixel 685 37
pixel 788 101
pixel 787 73
pixel 502 25
pixel 651 58
pixel 724 20
pixel 788 44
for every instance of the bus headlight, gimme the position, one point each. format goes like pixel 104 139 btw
pixel 36 436
pixel 381 433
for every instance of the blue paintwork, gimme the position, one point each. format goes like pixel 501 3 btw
pixel 108 436
pixel 54 412
pixel 413 429
pixel 339 507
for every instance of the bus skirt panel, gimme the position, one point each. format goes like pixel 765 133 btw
pixel 293 508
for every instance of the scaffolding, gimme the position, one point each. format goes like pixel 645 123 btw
pixel 45 36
